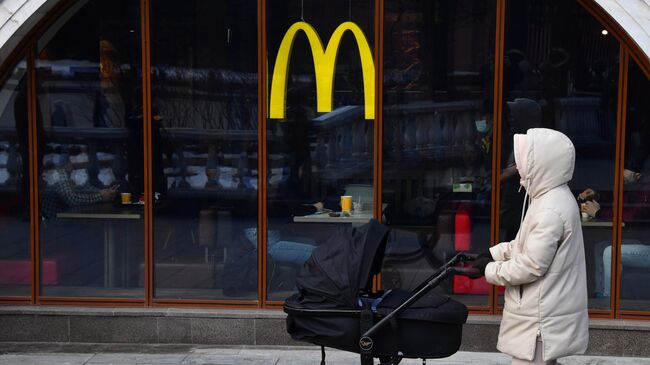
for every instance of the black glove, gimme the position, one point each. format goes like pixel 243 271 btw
pixel 487 254
pixel 481 261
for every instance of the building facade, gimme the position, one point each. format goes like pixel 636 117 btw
pixel 143 144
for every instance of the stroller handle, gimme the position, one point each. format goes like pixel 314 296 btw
pixel 456 259
pixel 466 256
pixel 449 268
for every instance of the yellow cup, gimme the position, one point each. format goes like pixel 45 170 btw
pixel 346 203
pixel 126 198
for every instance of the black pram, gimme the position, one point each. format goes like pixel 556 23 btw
pixel 335 306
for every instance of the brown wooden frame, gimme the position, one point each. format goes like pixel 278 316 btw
pixel 499 43
pixel 26 49
pixel 619 33
pixel 612 312
pixel 378 130
pixel 147 119
pixel 34 221
pixel 629 50
pixel 626 44
pixel 621 123
pixel 262 196
pixel 625 60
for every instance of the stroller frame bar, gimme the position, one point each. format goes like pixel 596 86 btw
pixel 366 343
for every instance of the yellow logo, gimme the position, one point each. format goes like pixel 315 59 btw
pixel 324 64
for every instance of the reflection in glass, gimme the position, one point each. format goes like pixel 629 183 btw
pixel 204 95
pixel 15 261
pixel 635 245
pixel 90 152
pixel 561 72
pixel 314 158
pixel 437 139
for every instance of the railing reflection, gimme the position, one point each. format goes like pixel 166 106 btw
pixel 201 160
pixel 101 152
pixel 445 133
pixel 442 132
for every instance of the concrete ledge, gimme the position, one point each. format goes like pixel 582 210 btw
pixel 142 312
pixel 143 325
pixel 178 326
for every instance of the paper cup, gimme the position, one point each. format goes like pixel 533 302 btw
pixel 126 198
pixel 346 203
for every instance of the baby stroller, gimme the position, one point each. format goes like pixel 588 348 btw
pixel 335 306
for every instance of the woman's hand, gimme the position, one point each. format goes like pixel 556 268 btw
pixel 109 193
pixel 588 194
pixel 591 207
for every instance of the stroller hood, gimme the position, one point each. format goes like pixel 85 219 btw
pixel 338 269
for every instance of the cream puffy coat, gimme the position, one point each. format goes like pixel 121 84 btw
pixel 543 268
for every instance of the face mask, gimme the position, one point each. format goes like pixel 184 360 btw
pixel 481 126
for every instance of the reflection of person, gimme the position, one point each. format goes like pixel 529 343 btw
pixel 20 118
pixel 65 193
pixel 295 196
pixel 289 250
pixel 284 251
pixel 634 253
pixel 109 109
pixel 524 114
pixel 543 268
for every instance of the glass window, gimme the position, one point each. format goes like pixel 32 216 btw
pixel 320 128
pixel 635 246
pixel 15 258
pixel 204 95
pixel 90 152
pixel 438 72
pixel 561 72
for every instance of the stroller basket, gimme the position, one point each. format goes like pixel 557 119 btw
pixel 335 307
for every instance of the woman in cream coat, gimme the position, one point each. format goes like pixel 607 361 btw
pixel 543 268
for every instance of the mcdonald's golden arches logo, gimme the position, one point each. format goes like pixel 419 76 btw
pixel 324 66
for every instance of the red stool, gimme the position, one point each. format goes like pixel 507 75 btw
pixel 463 242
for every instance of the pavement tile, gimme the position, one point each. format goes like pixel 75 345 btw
pixel 130 358
pixel 228 360
pixel 44 359
pixel 604 360
pixel 217 351
pixel 268 355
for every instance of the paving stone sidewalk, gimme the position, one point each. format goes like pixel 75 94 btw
pixel 71 355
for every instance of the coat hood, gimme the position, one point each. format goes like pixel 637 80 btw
pixel 521 156
pixel 550 160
